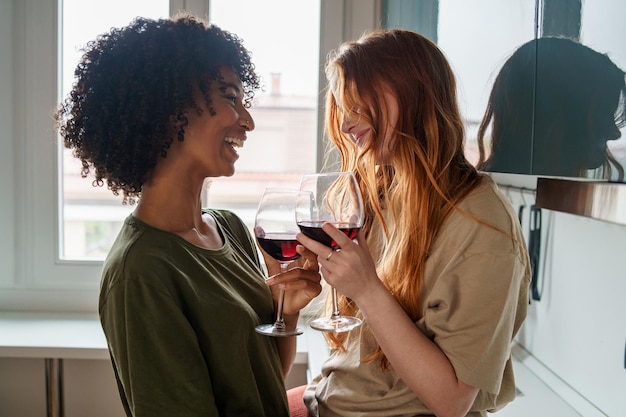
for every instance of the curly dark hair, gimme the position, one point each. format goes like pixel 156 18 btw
pixel 134 86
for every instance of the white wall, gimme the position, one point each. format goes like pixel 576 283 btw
pixel 578 329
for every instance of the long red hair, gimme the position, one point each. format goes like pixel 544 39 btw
pixel 425 173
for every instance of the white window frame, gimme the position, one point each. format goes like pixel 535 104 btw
pixel 32 276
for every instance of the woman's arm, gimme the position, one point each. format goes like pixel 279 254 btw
pixel 416 359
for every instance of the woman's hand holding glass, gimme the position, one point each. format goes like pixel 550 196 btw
pixel 275 229
pixel 352 270
pixel 301 281
pixel 333 197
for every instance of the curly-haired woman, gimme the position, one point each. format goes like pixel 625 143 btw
pixel 440 272
pixel 157 107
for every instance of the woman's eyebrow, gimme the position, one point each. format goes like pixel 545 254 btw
pixel 227 85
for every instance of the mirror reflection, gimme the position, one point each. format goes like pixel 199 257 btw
pixel 541 82
pixel 557 104
pixel 553 107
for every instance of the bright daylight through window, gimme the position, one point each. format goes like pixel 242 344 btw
pixel 280 149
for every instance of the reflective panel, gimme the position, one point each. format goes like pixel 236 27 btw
pixel 556 107
pixel 476 36
pixel 540 82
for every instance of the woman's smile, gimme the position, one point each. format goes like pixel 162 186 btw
pixel 360 137
pixel 234 143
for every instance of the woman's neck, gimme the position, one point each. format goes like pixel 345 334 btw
pixel 170 204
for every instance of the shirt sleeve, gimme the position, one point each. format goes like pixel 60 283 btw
pixel 471 315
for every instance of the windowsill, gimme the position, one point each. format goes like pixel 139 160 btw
pixel 64 336
pixel 51 335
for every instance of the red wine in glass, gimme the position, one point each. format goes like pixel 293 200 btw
pixel 280 247
pixel 315 232
pixel 334 197
pixel 275 229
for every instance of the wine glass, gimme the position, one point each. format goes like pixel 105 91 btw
pixel 275 229
pixel 334 198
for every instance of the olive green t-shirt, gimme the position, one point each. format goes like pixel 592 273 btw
pixel 473 302
pixel 179 322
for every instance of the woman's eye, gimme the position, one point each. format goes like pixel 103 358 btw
pixel 232 98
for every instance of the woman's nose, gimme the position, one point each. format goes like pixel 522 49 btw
pixel 246 121
pixel 347 123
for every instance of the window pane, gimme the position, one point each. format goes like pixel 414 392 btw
pixel 277 152
pixel 87 212
pixel 283 144
pixel 92 216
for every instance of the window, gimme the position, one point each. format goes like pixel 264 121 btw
pixel 91 216
pixel 285 113
pixel 41 266
pixel 282 146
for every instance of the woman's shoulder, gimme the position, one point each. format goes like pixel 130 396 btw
pixel 487 203
pixel 485 215
pixel 138 245
pixel 223 216
pixel 228 221
pixel 235 228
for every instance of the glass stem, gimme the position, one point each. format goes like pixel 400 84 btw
pixel 335 315
pixel 280 322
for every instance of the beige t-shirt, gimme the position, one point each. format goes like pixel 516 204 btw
pixel 474 300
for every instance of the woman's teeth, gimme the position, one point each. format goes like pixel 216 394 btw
pixel 235 142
